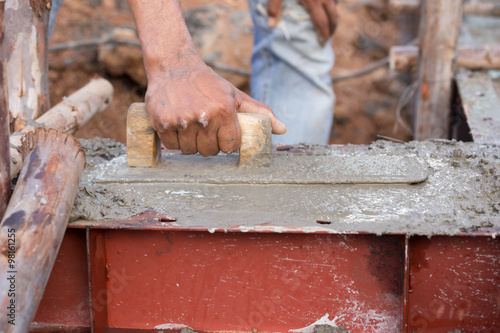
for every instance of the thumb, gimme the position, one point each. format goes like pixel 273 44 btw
pixel 273 12
pixel 249 105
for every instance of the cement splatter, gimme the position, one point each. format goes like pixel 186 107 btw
pixel 322 325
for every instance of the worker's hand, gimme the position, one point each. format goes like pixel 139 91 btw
pixel 194 109
pixel 324 15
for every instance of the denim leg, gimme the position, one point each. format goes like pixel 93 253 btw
pixel 56 5
pixel 291 73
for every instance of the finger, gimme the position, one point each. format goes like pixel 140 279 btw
pixel 229 136
pixel 273 12
pixel 249 105
pixel 162 124
pixel 206 142
pixel 320 21
pixel 333 15
pixel 169 139
pixel 187 139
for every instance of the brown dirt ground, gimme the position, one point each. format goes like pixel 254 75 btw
pixel 365 107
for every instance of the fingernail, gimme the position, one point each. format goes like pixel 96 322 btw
pixel 271 21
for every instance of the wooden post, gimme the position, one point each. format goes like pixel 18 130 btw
pixel 33 227
pixel 4 135
pixel 25 59
pixel 440 23
pixel 69 115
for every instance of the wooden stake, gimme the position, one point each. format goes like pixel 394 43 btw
pixel 25 58
pixel 4 135
pixel 69 115
pixel 33 227
pixel 439 29
pixel 405 58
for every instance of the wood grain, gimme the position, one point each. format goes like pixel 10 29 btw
pixel 4 136
pixel 439 29
pixel 143 144
pixel 256 145
pixel 26 60
pixel 69 115
pixel 470 7
pixel 36 219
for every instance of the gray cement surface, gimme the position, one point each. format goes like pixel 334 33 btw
pixel 426 188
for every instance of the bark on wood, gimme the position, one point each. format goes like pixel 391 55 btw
pixel 69 115
pixel 36 220
pixel 25 56
pixel 4 135
pixel 439 30
pixel 470 7
pixel 405 58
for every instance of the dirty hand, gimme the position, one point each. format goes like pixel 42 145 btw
pixel 190 107
pixel 194 109
pixel 324 15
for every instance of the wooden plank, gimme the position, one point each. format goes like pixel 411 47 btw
pixel 439 30
pixel 481 106
pixel 404 58
pixel 26 61
pixel 471 7
pixel 69 115
pixel 4 135
pixel 32 229
pixel 404 6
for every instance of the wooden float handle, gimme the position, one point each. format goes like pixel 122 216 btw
pixel 144 146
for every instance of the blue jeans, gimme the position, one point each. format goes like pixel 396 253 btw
pixel 291 73
pixel 56 5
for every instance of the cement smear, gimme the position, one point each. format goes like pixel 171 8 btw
pixel 460 191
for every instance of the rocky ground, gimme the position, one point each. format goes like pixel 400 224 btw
pixel 366 107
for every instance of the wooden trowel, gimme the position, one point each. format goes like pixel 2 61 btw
pixel 320 166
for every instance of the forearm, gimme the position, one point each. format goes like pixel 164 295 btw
pixel 165 39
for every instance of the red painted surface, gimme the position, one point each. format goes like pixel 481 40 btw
pixel 455 283
pixel 98 269
pixel 237 281
pixel 271 281
pixel 66 298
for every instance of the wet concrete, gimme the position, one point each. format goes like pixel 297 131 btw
pixel 458 189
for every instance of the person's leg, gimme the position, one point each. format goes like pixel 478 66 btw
pixel 291 73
